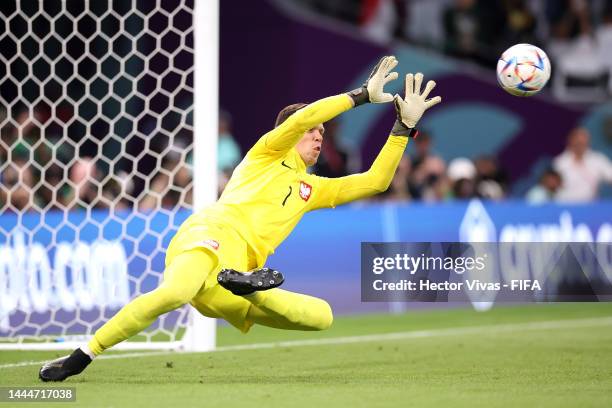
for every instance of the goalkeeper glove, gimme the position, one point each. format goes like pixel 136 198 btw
pixel 372 89
pixel 411 108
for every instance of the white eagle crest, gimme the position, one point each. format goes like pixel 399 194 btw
pixel 305 190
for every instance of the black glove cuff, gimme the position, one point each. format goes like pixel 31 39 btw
pixel 359 96
pixel 399 129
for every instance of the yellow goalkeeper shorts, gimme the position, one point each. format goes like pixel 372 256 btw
pixel 231 251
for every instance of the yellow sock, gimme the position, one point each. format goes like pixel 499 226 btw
pixel 288 310
pixel 183 279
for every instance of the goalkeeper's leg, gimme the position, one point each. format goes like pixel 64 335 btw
pixel 256 299
pixel 183 278
pixel 282 309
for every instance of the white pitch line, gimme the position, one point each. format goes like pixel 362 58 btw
pixel 454 331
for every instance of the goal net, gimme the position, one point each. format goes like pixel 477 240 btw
pixel 96 163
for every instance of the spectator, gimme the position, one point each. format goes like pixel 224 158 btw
pixel 568 19
pixel 427 167
pixel 603 36
pixel 581 169
pixel 228 151
pixel 439 190
pixel 182 183
pixel 521 23
pixel 398 189
pixel 473 29
pixel 17 183
pixel 546 189
pixel 48 195
pixel 171 187
pixel 490 179
pixel 424 25
pixel 462 173
pixel 461 28
pixel 84 176
pixel 577 58
pixel 382 20
pixel 115 192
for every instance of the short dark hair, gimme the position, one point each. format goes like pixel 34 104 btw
pixel 287 111
pixel 550 171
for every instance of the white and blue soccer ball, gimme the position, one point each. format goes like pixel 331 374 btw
pixel 523 70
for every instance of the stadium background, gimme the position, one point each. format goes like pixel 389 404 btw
pixel 111 159
pixel 317 48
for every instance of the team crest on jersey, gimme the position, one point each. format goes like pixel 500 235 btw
pixel 305 190
pixel 210 243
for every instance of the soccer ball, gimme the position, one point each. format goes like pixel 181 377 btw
pixel 523 70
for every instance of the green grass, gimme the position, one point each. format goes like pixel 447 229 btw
pixel 557 367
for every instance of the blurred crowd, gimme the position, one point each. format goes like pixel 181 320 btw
pixel 44 175
pixel 478 29
pixel 424 175
pixel 57 172
pixel 61 172
pixel 57 163
pixel 577 35
pixel 571 31
pixel 574 176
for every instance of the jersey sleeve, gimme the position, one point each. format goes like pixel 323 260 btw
pixel 341 190
pixel 282 138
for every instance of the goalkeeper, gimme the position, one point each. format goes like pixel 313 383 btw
pixel 267 195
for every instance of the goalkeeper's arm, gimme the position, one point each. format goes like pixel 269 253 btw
pixel 379 176
pixel 289 133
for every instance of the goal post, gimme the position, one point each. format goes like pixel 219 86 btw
pixel 201 332
pixel 108 128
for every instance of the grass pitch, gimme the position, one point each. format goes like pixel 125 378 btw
pixel 539 355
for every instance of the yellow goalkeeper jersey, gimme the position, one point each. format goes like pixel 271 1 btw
pixel 270 190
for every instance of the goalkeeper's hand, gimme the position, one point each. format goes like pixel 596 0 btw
pixel 411 108
pixel 372 90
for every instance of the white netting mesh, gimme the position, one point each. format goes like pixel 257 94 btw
pixel 96 139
